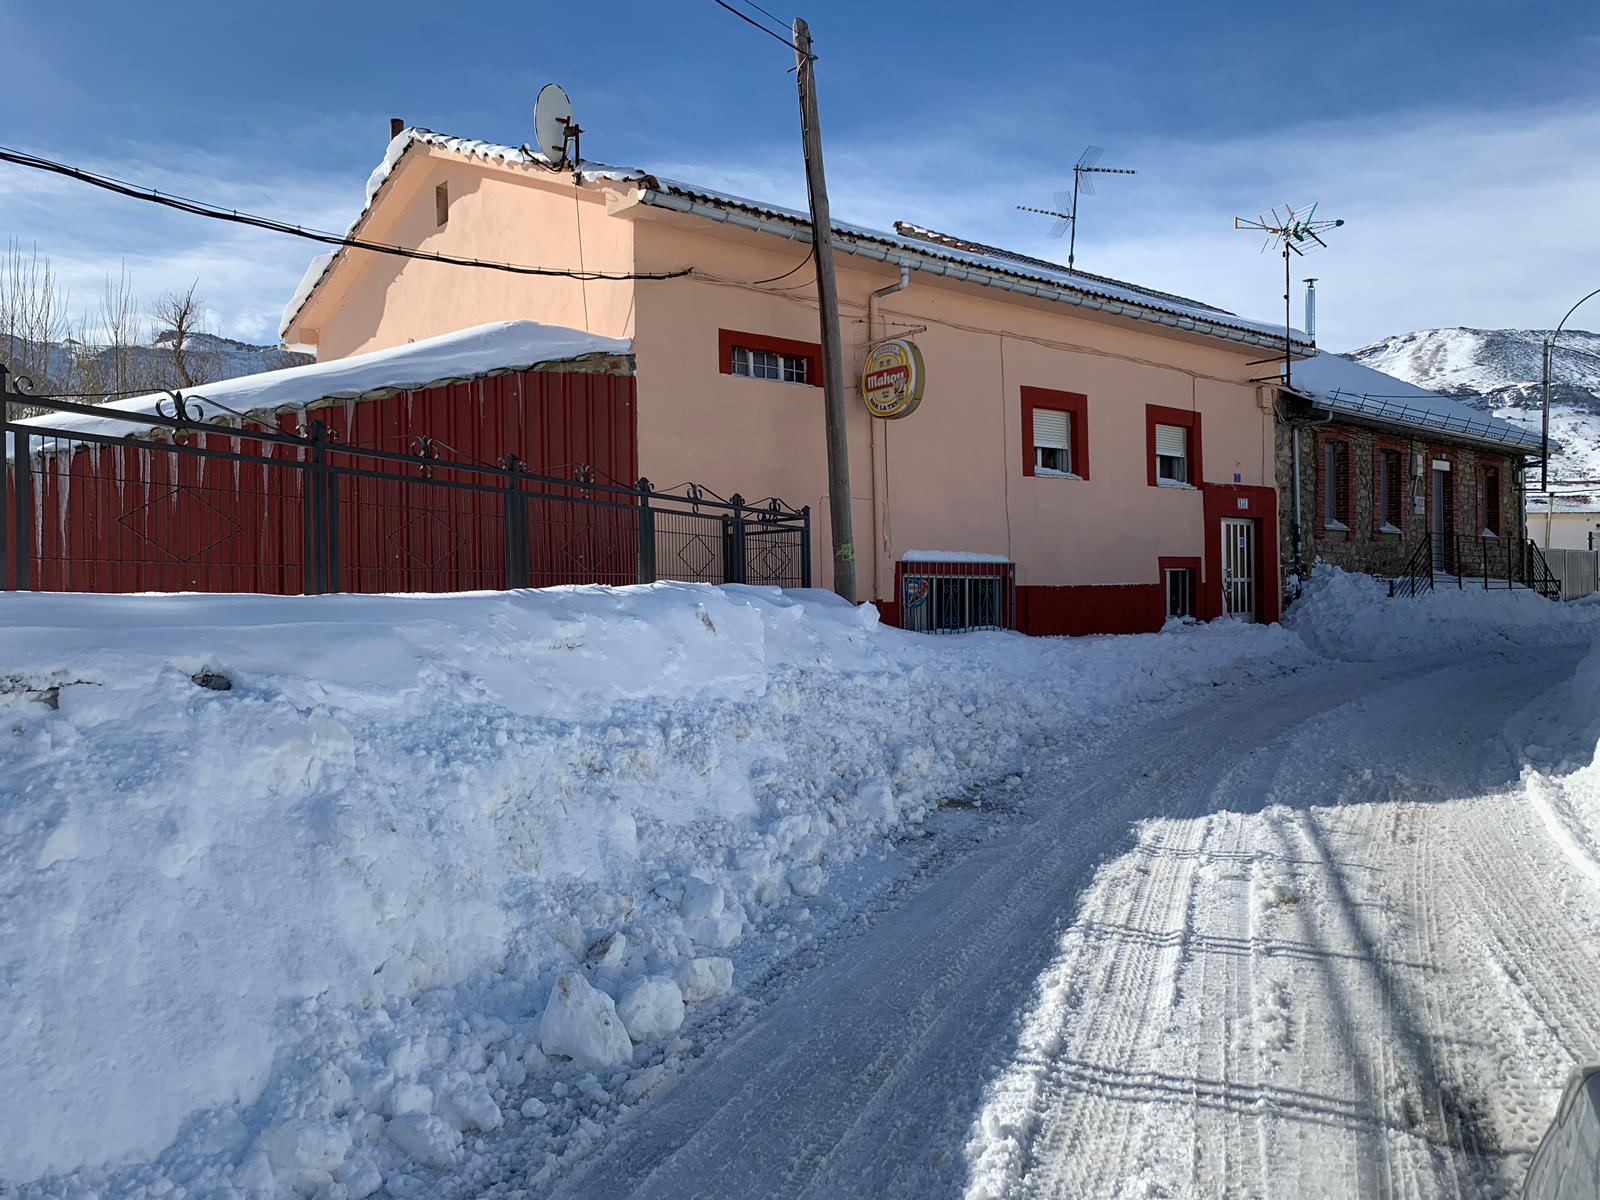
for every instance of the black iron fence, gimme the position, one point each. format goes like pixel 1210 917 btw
pixel 196 497
pixel 1484 561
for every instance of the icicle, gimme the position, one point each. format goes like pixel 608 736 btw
pixel 63 492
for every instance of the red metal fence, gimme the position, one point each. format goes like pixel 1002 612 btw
pixel 524 479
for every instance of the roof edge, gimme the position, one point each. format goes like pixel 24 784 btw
pixel 864 245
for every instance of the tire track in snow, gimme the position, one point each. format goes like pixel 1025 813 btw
pixel 863 1075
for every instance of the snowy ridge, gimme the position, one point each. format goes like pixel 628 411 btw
pixel 1498 372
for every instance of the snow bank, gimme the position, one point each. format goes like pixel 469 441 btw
pixel 287 884
pixel 1353 617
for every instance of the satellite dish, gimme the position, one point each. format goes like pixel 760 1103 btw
pixel 552 121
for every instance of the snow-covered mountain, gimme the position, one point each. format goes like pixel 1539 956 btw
pixel 1499 371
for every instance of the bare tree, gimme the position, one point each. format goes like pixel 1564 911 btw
pixel 33 316
pixel 179 317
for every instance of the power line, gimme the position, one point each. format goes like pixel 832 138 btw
pixel 751 21
pixel 200 208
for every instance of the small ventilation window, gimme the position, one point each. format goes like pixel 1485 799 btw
pixel 441 203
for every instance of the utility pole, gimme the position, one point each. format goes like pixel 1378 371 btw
pixel 844 551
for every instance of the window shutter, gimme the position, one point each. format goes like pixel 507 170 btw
pixel 1172 440
pixel 1052 429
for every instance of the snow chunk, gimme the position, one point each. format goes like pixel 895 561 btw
pixel 651 1008
pixel 470 1106
pixel 705 979
pixel 581 1023
pixel 431 1140
pixel 303 1154
pixel 701 900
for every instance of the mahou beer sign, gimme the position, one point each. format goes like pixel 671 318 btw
pixel 892 380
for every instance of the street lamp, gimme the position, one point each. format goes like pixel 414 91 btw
pixel 1549 350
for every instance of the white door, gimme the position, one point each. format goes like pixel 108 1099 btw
pixel 1239 568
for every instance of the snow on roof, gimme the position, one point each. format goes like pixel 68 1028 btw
pixel 473 353
pixel 973 259
pixel 992 261
pixel 1342 386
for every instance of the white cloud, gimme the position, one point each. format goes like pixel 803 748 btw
pixel 244 275
pixel 1481 219
pixel 1451 218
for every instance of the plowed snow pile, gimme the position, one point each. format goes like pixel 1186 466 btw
pixel 308 896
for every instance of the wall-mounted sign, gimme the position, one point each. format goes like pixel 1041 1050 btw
pixel 892 379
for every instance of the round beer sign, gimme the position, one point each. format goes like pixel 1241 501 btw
pixel 891 381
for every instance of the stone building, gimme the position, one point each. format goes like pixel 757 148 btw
pixel 1379 476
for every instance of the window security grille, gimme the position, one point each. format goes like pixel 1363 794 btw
pixel 1052 441
pixel 1180 592
pixel 768 364
pixel 956 597
pixel 1172 453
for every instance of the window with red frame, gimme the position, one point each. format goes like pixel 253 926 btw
pixel 1055 433
pixel 1489 505
pixel 1391 491
pixel 1335 485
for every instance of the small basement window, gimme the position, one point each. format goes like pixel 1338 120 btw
pixel 770 364
pixel 441 203
pixel 956 595
pixel 1172 454
pixel 1052 442
pixel 1180 591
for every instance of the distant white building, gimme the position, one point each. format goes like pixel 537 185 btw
pixel 1573 524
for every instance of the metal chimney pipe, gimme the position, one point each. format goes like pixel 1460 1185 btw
pixel 1311 309
pixel 396 127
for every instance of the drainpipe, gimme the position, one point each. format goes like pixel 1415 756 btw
pixel 878 448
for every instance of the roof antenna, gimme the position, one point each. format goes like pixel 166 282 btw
pixel 1295 230
pixel 1083 173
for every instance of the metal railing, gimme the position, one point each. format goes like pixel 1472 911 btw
pixel 196 497
pixel 1486 561
pixel 1417 575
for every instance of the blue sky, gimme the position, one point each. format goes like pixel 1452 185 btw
pixel 1461 141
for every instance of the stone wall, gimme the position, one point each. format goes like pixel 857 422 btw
pixel 1367 545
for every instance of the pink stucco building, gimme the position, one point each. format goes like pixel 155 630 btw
pixel 1089 455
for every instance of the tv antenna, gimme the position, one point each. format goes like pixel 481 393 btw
pixel 553 127
pixel 1083 173
pixel 1295 231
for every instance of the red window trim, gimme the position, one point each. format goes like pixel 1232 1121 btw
pixel 1340 437
pixel 1159 414
pixel 1401 447
pixel 727 339
pixel 1075 403
pixel 1166 563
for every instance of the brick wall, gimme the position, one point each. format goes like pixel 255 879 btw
pixel 1366 545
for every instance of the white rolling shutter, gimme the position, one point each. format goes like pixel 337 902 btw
pixel 1172 440
pixel 1052 429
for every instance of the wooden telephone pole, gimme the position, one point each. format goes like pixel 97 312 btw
pixel 844 551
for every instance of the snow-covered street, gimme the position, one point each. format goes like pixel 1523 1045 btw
pixel 1349 962
pixel 681 891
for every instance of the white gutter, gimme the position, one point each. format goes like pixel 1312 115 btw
pixel 906 257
